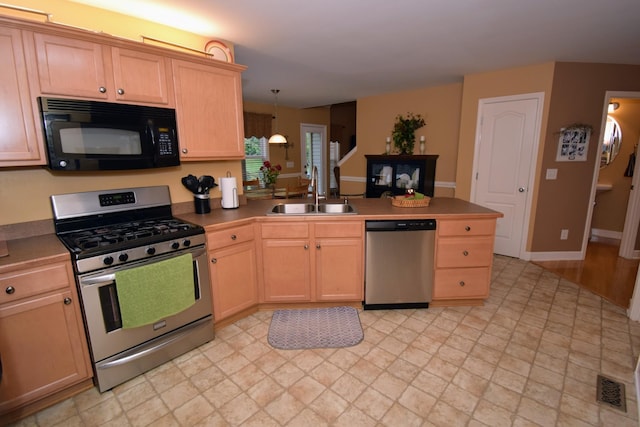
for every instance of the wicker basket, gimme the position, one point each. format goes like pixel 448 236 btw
pixel 403 202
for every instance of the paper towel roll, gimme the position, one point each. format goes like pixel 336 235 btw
pixel 229 189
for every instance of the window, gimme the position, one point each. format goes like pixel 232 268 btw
pixel 257 128
pixel 256 151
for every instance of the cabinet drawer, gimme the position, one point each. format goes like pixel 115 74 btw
pixel 461 283
pixel 338 229
pixel 464 252
pixel 467 227
pixel 222 238
pixel 27 283
pixel 285 231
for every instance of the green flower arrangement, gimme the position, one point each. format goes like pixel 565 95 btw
pixel 404 132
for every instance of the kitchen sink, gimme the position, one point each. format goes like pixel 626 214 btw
pixel 310 209
pixel 293 208
pixel 335 208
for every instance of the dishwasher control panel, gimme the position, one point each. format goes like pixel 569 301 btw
pixel 401 225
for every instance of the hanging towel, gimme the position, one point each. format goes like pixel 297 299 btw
pixel 152 292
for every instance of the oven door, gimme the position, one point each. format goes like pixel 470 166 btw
pixel 102 314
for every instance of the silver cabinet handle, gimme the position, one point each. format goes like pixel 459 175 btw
pixel 67 301
pixel 521 189
pixel 185 151
pixel 214 260
pixel 306 246
pixel 234 237
pixel 120 91
pixel 10 290
pixel 465 253
pixel 461 283
pixel 467 228
pixel 318 246
pixel 102 89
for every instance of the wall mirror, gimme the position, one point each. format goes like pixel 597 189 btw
pixel 612 139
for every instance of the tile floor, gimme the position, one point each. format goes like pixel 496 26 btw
pixel 529 356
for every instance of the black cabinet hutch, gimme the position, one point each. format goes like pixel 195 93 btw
pixel 394 174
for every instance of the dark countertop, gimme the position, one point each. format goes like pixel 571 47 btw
pixel 31 251
pixel 367 209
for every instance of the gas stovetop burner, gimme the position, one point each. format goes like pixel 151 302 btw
pixel 119 226
pixel 104 237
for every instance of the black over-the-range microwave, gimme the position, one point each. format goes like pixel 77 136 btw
pixel 89 135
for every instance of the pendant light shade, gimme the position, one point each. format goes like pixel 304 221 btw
pixel 276 138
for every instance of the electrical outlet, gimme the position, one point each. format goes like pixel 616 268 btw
pixel 564 234
pixel 290 165
pixel 552 174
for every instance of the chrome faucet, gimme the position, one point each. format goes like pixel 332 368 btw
pixel 314 186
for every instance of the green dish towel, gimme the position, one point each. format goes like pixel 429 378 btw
pixel 152 292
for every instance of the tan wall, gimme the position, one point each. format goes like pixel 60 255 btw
pixel 440 106
pixel 578 95
pixel 514 81
pixel 611 206
pixel 82 16
pixel 289 121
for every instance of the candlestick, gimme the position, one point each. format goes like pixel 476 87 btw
pixel 388 145
pixel 422 141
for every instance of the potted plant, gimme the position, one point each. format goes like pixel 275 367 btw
pixel 404 136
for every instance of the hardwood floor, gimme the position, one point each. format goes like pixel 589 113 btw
pixel 602 272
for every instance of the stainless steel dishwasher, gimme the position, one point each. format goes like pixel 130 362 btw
pixel 399 263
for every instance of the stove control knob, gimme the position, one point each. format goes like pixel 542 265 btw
pixel 187 243
pixel 175 245
pixel 151 250
pixel 108 260
pixel 123 257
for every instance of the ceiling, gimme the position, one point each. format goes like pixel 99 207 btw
pixel 332 51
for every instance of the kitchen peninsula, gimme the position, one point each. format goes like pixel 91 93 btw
pixel 321 257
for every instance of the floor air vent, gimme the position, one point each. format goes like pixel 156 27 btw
pixel 611 393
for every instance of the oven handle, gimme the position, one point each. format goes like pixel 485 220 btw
pixel 137 354
pixel 98 279
pixel 111 277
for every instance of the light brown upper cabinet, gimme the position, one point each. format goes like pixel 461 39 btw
pixel 77 68
pixel 20 143
pixel 209 111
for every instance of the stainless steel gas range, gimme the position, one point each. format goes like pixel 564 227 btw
pixel 142 277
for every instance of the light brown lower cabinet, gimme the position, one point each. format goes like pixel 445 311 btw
pixel 43 347
pixel 312 261
pixel 464 255
pixel 233 270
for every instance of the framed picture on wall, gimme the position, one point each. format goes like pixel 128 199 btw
pixel 573 144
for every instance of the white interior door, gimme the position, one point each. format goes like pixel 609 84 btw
pixel 507 138
pixel 313 152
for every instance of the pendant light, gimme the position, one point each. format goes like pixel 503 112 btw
pixel 276 138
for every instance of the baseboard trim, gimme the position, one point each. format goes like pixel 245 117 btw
pixel 555 256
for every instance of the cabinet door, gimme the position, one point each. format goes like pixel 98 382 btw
pixel 234 279
pixel 20 142
pixel 41 348
pixel 209 111
pixel 71 67
pixel 287 266
pixel 141 77
pixel 339 265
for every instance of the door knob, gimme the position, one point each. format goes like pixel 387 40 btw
pixel 521 189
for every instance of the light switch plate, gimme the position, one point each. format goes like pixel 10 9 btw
pixel 290 165
pixel 552 173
